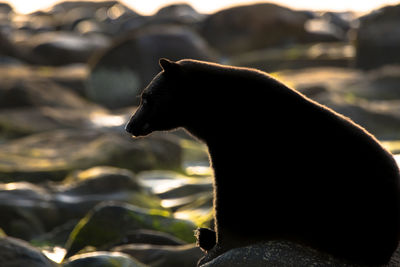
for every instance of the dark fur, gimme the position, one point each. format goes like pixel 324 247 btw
pixel 206 238
pixel 285 166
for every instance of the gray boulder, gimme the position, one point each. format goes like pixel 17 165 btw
pixel 164 256
pixel 102 259
pixel 119 74
pixel 245 28
pixel 17 253
pixel 57 153
pixel 378 38
pixel 61 48
pixel 107 223
pixel 275 253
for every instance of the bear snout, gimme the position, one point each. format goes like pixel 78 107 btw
pixel 137 129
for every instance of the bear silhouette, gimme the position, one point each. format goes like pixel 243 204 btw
pixel 285 167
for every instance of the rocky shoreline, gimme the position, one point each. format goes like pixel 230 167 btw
pixel 76 190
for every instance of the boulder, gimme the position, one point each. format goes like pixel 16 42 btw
pixel 164 256
pixel 61 48
pixel 52 155
pixel 120 73
pixel 245 28
pixel 368 98
pixel 20 88
pixel 16 253
pixel 151 237
pixel 378 38
pixel 179 13
pixel 99 180
pixel 275 253
pixel 109 222
pixel 102 259
pixel 298 57
pixel 27 210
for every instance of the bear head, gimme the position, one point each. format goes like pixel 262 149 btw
pixel 161 108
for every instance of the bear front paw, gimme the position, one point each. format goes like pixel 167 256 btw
pixel 206 238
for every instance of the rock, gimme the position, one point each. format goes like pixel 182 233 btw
pixel 17 122
pixel 102 259
pixel 79 193
pixel 164 256
pixel 179 13
pixel 351 92
pixel 119 74
pixel 378 38
pixel 100 180
pixel 150 237
pixel 27 210
pixel 330 26
pixel 275 253
pixel 188 197
pixel 61 48
pixel 52 155
pixel 5 8
pixel 109 222
pixel 16 253
pixel 245 28
pixel 24 90
pixel 338 54
pixel 380 84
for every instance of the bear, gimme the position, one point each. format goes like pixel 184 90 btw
pixel 285 167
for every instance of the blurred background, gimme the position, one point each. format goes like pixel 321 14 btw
pixel 72 181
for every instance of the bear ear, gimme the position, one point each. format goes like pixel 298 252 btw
pixel 168 66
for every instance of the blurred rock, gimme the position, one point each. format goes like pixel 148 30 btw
pixel 330 26
pixel 5 8
pixel 179 13
pixel 61 48
pixel 30 211
pixel 164 256
pixel 380 84
pixel 17 253
pixel 102 259
pixel 109 222
pixel 151 237
pixel 51 155
pixel 119 74
pixel 105 17
pixel 378 38
pixel 35 22
pixel 27 210
pixel 99 180
pixel 275 253
pixel 352 93
pixel 245 28
pixel 31 92
pixel 337 54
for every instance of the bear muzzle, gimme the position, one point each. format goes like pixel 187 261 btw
pixel 136 129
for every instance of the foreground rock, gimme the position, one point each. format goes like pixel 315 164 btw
pixel 274 253
pixel 16 253
pixel 283 253
pixel 102 259
pixel 52 155
pixel 378 38
pixel 108 223
pixel 164 256
pixel 29 211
